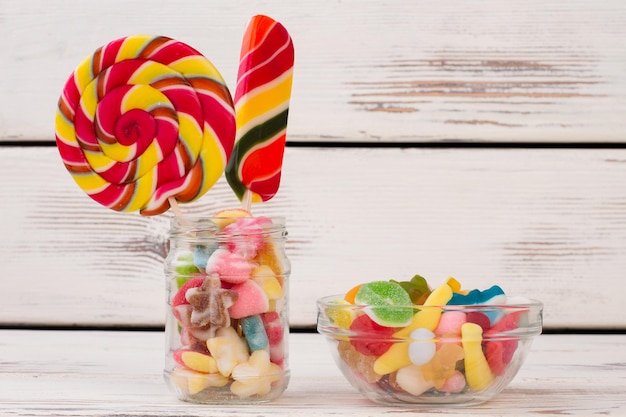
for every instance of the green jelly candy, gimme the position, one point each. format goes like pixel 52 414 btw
pixel 184 268
pixel 388 303
pixel 417 288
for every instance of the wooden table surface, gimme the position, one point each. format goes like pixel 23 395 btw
pixel 111 373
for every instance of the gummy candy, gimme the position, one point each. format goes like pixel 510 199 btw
pixel 370 338
pixel 255 376
pixel 443 364
pixel 417 288
pixel 411 379
pixel 477 370
pixel 254 332
pixel 228 349
pixel 210 303
pixel 388 301
pixel 251 300
pixel 363 364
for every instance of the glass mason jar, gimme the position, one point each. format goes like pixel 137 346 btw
pixel 227 317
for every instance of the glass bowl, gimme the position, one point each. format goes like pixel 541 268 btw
pixel 448 355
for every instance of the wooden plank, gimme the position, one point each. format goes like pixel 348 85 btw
pixel 544 223
pixel 366 70
pixel 119 374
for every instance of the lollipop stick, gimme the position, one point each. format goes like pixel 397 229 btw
pixel 176 210
pixel 246 201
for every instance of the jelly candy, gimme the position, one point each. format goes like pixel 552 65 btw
pixel 477 371
pixel 411 380
pixel 197 361
pixel 194 382
pixel 231 267
pixel 228 349
pixel 443 364
pixel 254 332
pixel 255 376
pixel 388 301
pixel 417 288
pixel 362 364
pixel 370 338
pixel 251 300
pixel 210 303
pixel 265 277
pixel 454 384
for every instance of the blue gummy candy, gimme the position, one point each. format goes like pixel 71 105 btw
pixel 254 332
pixel 201 255
pixel 475 297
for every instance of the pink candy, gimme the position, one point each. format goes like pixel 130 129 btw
pixel 251 300
pixel 231 267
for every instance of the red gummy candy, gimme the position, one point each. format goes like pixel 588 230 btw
pixel 479 318
pixel 180 297
pixel 273 327
pixel 369 338
pixel 500 353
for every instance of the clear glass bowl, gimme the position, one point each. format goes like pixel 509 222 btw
pixel 449 355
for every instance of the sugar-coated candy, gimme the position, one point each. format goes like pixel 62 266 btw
pixel 210 303
pixel 422 346
pixel 254 332
pixel 275 335
pixel 370 338
pixel 269 254
pixel 255 376
pixel 443 364
pixel 193 382
pixel 246 235
pixel 266 278
pixel 388 301
pixel 197 361
pixel 228 349
pixel 251 300
pixel 477 371
pixel 500 352
pixel 455 384
pixel 231 267
pixel 363 364
pixel 411 379
pixel 185 267
pixel 341 317
pixel 202 253
pixel 181 295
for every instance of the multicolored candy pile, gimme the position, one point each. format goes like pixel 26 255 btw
pixel 228 302
pixel 407 340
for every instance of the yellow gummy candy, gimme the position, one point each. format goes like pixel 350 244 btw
pixel 200 362
pixel 477 370
pixel 265 277
pixel 194 382
pixel 428 318
pixel 454 285
pixel 228 349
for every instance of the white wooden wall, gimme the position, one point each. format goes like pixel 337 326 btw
pixel 418 143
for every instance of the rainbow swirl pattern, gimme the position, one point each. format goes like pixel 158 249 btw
pixel 143 120
pixel 261 106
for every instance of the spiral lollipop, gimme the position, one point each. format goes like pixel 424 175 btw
pixel 145 122
pixel 261 105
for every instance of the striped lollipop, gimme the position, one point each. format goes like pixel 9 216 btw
pixel 144 122
pixel 261 106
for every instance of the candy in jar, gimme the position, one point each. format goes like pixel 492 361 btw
pixel 227 316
